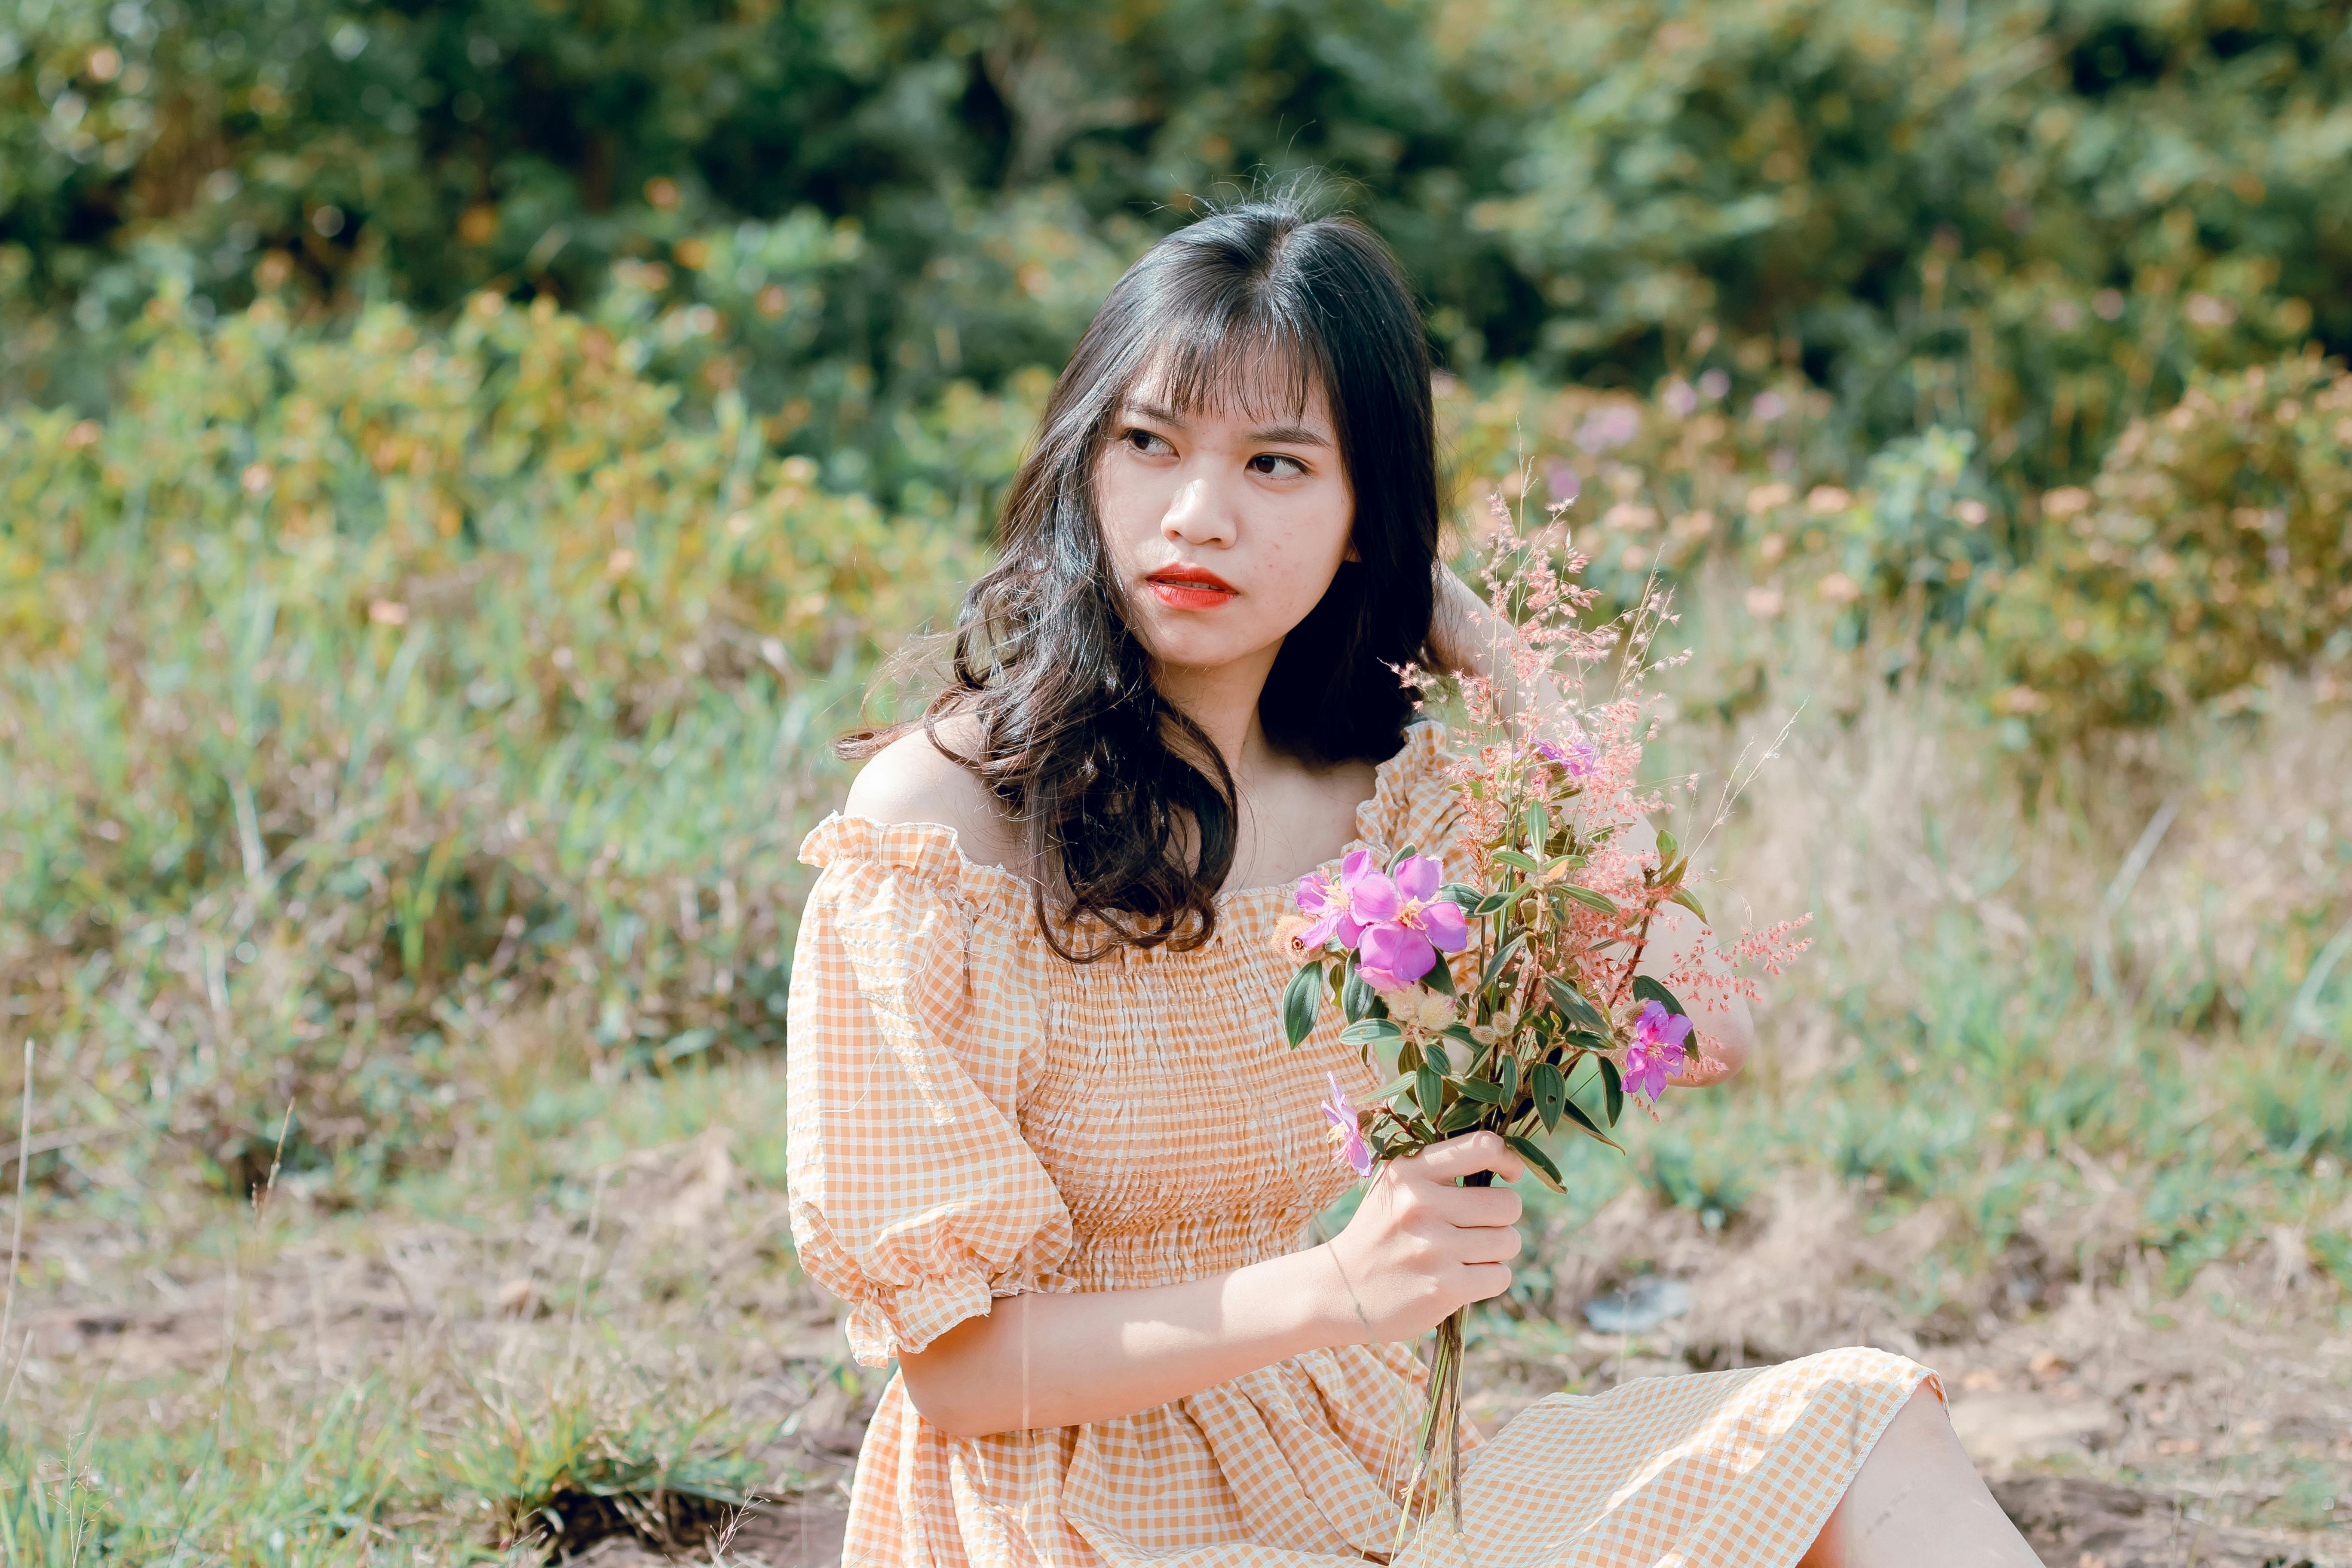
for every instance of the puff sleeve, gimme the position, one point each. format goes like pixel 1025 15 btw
pixel 913 1195
pixel 1415 798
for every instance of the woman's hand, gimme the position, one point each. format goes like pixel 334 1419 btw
pixel 1465 636
pixel 1419 1248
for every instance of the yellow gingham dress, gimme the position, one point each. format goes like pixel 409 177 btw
pixel 973 1117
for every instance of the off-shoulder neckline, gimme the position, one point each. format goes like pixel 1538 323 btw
pixel 966 866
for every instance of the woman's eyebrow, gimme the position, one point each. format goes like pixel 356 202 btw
pixel 1291 436
pixel 1277 435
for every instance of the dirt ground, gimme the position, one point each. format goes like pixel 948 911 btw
pixel 2121 1430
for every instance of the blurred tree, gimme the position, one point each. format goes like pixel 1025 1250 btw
pixel 2029 220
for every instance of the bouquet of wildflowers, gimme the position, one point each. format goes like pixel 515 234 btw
pixel 1500 973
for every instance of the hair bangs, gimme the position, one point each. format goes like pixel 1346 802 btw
pixel 1246 360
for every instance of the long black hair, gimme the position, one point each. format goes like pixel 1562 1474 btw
pixel 1120 795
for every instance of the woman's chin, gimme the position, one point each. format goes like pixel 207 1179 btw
pixel 1197 650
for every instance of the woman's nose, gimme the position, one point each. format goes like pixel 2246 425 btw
pixel 1198 515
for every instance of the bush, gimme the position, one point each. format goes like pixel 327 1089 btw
pixel 369 694
pixel 2026 222
pixel 2214 548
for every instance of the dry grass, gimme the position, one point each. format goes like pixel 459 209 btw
pixel 2056 1130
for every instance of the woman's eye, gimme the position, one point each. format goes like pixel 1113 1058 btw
pixel 1145 441
pixel 1277 465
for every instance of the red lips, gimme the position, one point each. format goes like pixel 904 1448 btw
pixel 1190 588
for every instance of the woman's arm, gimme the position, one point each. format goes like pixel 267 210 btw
pixel 1417 1247
pixel 1471 639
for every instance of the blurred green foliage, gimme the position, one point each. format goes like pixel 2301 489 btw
pixel 457 465
pixel 369 690
pixel 2030 221
pixel 2216 542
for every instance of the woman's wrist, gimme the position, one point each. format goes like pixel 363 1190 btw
pixel 1469 638
pixel 1304 1299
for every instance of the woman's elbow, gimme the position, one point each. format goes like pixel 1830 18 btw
pixel 943 1386
pixel 1724 1050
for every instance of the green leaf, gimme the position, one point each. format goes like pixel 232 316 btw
pixel 1408 1057
pixel 1580 1014
pixel 1430 1090
pixel 1494 901
pixel 1576 1114
pixel 1460 1032
pixel 1434 1055
pixel 1538 1161
pixel 1461 894
pixel 1400 857
pixel 1668 848
pixel 1301 1001
pixel 1503 955
pixel 1507 1073
pixel 1550 1092
pixel 1591 899
pixel 1370 1032
pixel 1516 861
pixel 1480 1089
pixel 1648 990
pixel 1460 1117
pixel 1356 998
pixel 1539 827
pixel 1684 896
pixel 1440 978
pixel 1394 1087
pixel 1613 1090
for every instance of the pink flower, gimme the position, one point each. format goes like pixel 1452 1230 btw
pixel 1332 908
pixel 1347 1134
pixel 1577 756
pixel 1405 924
pixel 1657 1053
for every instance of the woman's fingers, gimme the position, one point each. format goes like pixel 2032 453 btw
pixel 1466 1156
pixel 1473 1207
pixel 1497 1243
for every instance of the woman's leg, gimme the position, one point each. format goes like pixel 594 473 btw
pixel 1918 1503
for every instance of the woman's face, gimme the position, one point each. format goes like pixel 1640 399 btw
pixel 1224 526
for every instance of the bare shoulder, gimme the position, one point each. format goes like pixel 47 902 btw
pixel 911 780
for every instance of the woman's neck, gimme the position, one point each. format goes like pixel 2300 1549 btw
pixel 1222 701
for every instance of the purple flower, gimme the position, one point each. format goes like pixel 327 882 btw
pixel 1611 425
pixel 1346 1134
pixel 1713 383
pixel 1333 908
pixel 1657 1053
pixel 1577 756
pixel 1405 924
pixel 1678 398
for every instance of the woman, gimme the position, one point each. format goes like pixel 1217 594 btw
pixel 1046 1141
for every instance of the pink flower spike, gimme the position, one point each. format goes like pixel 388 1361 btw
pixel 1346 1134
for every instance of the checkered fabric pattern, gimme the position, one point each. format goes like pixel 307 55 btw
pixel 973 1117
